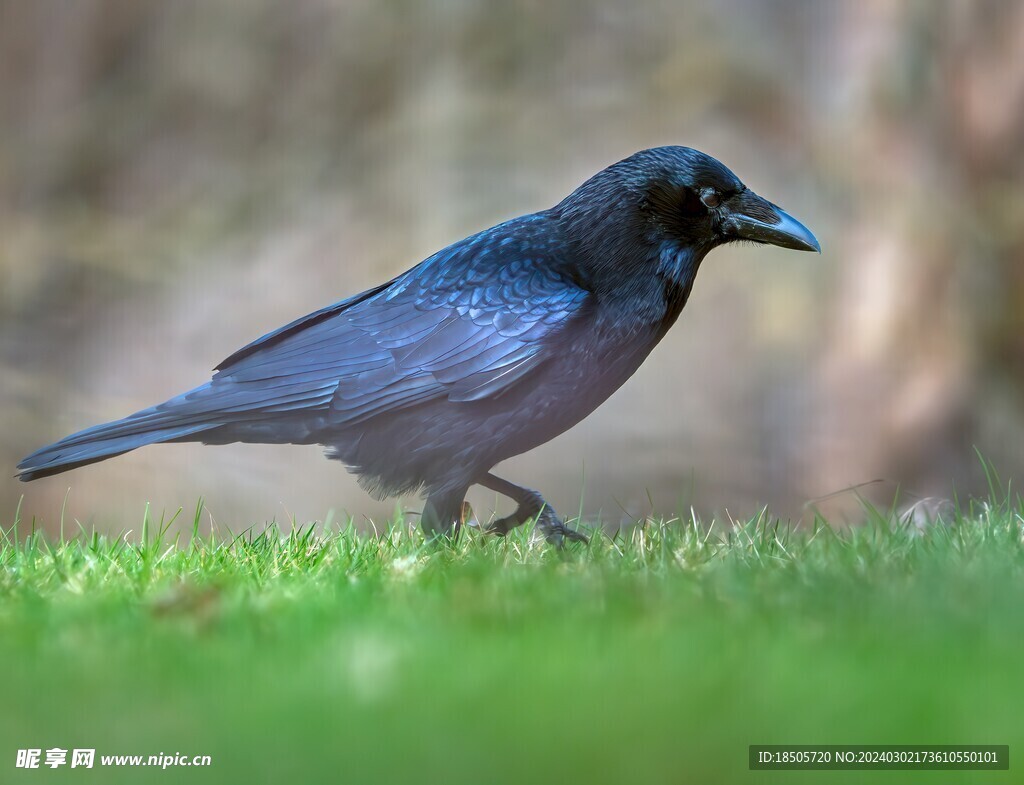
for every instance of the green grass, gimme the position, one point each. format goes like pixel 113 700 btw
pixel 655 656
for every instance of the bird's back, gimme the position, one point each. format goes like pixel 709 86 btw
pixel 460 330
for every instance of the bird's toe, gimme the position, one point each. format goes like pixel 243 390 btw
pixel 555 531
pixel 502 526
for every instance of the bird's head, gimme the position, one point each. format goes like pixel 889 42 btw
pixel 674 197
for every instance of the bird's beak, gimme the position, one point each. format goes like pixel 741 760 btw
pixel 749 217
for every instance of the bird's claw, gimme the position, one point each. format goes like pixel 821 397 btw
pixel 502 526
pixel 531 506
pixel 555 531
pixel 548 524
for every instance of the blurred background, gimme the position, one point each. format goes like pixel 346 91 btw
pixel 177 179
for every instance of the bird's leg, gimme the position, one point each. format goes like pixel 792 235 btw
pixel 442 514
pixel 530 505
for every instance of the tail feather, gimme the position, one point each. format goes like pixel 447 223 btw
pixel 60 457
pixel 166 422
pixel 217 412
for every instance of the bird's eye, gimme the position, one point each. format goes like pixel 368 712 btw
pixel 691 204
pixel 711 198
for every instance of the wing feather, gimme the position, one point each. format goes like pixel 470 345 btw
pixel 467 324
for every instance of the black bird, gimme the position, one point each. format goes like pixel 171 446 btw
pixel 485 350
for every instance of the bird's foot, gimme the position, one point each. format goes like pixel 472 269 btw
pixel 531 507
pixel 502 526
pixel 555 531
pixel 548 524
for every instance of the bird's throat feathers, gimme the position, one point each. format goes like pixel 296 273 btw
pixel 677 265
pixel 654 301
pixel 677 269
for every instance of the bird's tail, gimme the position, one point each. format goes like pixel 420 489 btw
pixel 176 419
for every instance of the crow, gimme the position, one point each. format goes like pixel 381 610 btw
pixel 486 349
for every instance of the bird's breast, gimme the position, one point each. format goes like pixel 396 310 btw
pixel 605 354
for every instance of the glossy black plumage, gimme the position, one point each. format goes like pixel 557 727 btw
pixel 482 351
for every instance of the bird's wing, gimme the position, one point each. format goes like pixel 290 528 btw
pixel 466 324
pixel 298 325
